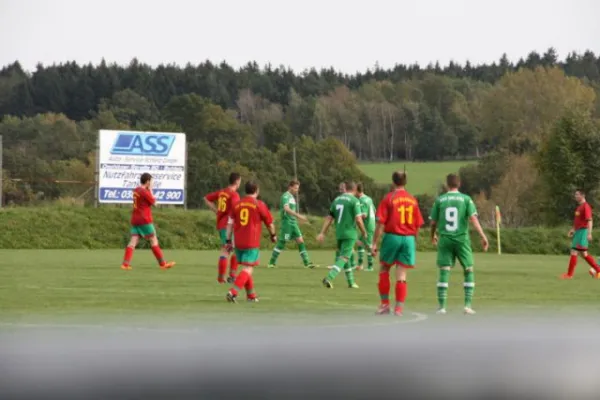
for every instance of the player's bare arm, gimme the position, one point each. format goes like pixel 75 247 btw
pixel 293 213
pixel 210 205
pixel 326 225
pixel 271 229
pixel 361 225
pixel 590 227
pixel 479 229
pixel 434 238
pixel 376 237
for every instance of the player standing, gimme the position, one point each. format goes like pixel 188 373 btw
pixel 450 216
pixel 582 235
pixel 345 213
pixel 245 224
pixel 368 211
pixel 289 226
pixel 221 202
pixel 399 217
pixel 142 224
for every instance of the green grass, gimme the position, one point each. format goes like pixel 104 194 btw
pixel 424 177
pixel 89 286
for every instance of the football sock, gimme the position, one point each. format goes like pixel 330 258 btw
pixel 442 287
pixel 276 251
pixel 128 255
pixel 349 274
pixel 369 260
pixel 240 282
pixel 250 287
pixel 590 260
pixel 384 287
pixel 222 268
pixel 158 254
pixel 361 255
pixel 572 265
pixel 337 267
pixel 401 289
pixel 233 266
pixel 469 286
pixel 303 253
pixel 352 260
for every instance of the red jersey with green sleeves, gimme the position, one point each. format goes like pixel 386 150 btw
pixel 400 214
pixel 248 215
pixel 224 199
pixel 143 200
pixel 583 214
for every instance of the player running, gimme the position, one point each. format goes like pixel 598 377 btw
pixel 346 213
pixel 221 202
pixel 582 235
pixel 245 224
pixel 450 216
pixel 398 219
pixel 142 224
pixel 289 226
pixel 368 211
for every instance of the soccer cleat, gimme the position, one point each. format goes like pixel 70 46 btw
pixel 594 274
pixel 230 279
pixel 221 280
pixel 566 276
pixel 441 311
pixel 126 267
pixel 353 286
pixel 383 309
pixel 271 266
pixel 398 311
pixel 469 311
pixel 359 268
pixel 327 283
pixel 311 265
pixel 252 299
pixel 232 298
pixel 168 265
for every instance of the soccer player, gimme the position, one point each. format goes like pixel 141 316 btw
pixel 581 234
pixel 368 211
pixel 221 202
pixel 289 226
pixel 245 224
pixel 142 224
pixel 346 214
pixel 352 266
pixel 342 188
pixel 398 219
pixel 450 217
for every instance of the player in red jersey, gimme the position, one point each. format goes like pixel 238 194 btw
pixel 399 216
pixel 245 224
pixel 221 203
pixel 142 223
pixel 582 235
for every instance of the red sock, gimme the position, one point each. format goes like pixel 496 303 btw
pixel 128 255
pixel 240 282
pixel 384 287
pixel 250 287
pixel 400 291
pixel 158 254
pixel 590 260
pixel 233 266
pixel 222 268
pixel 572 264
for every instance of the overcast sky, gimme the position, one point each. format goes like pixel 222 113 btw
pixel 349 35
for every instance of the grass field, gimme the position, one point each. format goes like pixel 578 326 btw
pixel 89 286
pixel 425 177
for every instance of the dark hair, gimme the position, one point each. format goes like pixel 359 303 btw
pixel 452 181
pixel 145 178
pixel 234 177
pixel 251 187
pixel 399 178
pixel 294 182
pixel 359 187
pixel 350 185
pixel 581 192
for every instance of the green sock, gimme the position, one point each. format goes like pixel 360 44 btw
pixel 369 259
pixel 442 287
pixel 303 253
pixel 352 260
pixel 361 254
pixel 469 286
pixel 337 268
pixel 349 274
pixel 276 251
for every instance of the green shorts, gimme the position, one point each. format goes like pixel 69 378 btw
pixel 223 237
pixel 449 249
pixel 345 247
pixel 144 231
pixel 398 250
pixel 289 232
pixel 580 240
pixel 247 257
pixel 368 240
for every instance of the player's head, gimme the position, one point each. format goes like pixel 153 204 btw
pixel 399 179
pixel 359 189
pixel 235 179
pixel 145 179
pixel 452 181
pixel 342 187
pixel 294 186
pixel 580 195
pixel 251 188
pixel 350 187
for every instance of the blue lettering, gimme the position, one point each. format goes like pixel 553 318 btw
pixel 143 145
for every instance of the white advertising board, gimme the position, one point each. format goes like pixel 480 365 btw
pixel 125 155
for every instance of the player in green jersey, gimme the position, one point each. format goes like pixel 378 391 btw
pixel 450 217
pixel 342 190
pixel 346 214
pixel 368 212
pixel 289 226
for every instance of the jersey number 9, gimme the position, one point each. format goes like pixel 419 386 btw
pixel 244 216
